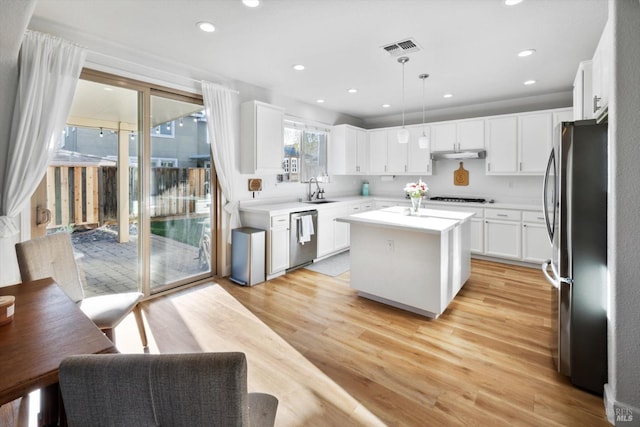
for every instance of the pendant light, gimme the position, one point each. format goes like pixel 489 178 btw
pixel 403 134
pixel 423 141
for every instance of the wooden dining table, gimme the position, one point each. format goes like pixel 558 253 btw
pixel 46 327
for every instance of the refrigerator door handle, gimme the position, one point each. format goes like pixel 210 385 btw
pixel 554 278
pixel 555 281
pixel 545 206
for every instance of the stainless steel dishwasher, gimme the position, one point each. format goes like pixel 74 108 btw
pixel 303 240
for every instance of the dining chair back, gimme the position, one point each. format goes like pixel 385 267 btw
pixel 192 389
pixel 52 256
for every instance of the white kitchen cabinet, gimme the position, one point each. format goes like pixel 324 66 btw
pixel 325 232
pixel 386 155
pixel 582 87
pixel 502 234
pixel 378 151
pixel 535 139
pixel 277 228
pixel 396 152
pixel 502 145
pixel 519 144
pixel 418 159
pixel 477 236
pixel 261 137
pixel 278 242
pixel 601 76
pixel 562 115
pixel 332 236
pixel 341 237
pixel 457 135
pixel 535 241
pixel 348 150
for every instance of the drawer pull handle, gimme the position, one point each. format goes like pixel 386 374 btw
pixel 502 215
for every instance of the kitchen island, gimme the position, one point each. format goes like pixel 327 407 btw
pixel 414 262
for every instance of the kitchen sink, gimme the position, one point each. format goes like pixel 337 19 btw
pixel 319 202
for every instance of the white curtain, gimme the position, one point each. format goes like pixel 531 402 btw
pixel 48 74
pixel 218 106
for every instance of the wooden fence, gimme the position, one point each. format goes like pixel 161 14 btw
pixel 79 195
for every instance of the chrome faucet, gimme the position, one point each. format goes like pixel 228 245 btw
pixel 315 193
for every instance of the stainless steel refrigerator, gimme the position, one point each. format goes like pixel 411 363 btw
pixel 575 205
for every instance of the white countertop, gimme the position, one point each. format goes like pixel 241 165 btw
pixel 427 221
pixel 285 207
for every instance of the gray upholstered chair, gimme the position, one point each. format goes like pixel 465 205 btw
pixel 52 256
pixel 137 390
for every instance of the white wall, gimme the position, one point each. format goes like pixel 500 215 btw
pixel 623 390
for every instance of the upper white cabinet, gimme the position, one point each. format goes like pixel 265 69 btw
pixel 502 145
pixel 520 144
pixel 348 150
pixel 582 87
pixel 378 151
pixel 387 156
pixel 261 137
pixel 535 139
pixel 457 135
pixel 601 76
pixel 418 159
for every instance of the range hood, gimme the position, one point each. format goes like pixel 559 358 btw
pixel 476 153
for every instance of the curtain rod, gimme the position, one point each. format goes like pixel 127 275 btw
pixel 104 55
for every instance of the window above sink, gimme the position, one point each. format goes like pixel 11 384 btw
pixel 305 152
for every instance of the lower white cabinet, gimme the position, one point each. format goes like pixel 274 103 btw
pixel 502 234
pixel 277 230
pixel 278 241
pixel 535 241
pixel 325 232
pixel 477 235
pixel 332 235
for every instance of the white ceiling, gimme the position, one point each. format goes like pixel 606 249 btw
pixel 469 47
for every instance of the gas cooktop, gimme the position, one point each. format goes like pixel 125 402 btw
pixel 459 199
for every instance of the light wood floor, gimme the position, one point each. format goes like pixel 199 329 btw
pixel 485 361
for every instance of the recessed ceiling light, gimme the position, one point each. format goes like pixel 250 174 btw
pixel 386 105
pixel 512 2
pixel 320 101
pixel 352 90
pixel 251 3
pixel 205 26
pixel 447 95
pixel 527 52
pixel 298 67
pixel 108 89
pixel 530 82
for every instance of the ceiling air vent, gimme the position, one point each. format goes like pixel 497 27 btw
pixel 401 47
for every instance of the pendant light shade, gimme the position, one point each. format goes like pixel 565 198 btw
pixel 424 142
pixel 403 134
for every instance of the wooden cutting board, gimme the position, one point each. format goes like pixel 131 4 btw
pixel 461 176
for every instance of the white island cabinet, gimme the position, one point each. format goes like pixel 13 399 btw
pixel 414 262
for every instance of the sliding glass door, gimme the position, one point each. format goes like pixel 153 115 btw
pixel 180 201
pixel 133 185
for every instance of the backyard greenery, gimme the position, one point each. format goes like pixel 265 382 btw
pixel 185 230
